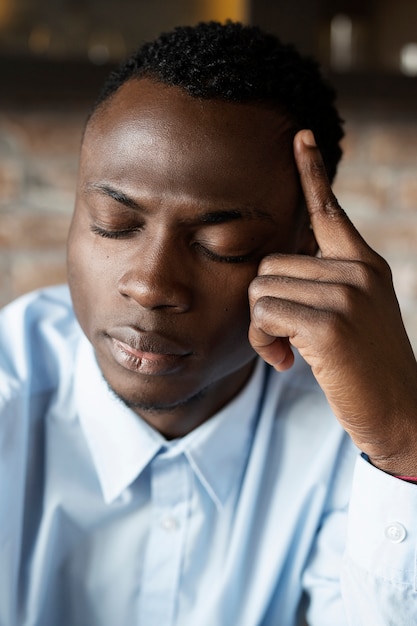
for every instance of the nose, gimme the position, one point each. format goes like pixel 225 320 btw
pixel 157 275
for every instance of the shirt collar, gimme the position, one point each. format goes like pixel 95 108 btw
pixel 122 445
pixel 218 449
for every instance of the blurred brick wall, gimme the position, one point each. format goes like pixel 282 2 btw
pixel 376 184
pixel 38 164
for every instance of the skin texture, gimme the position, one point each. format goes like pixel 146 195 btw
pixel 203 198
pixel 177 181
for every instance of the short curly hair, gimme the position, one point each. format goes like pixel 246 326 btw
pixel 238 63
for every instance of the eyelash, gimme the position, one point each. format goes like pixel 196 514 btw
pixel 121 234
pixel 113 234
pixel 224 259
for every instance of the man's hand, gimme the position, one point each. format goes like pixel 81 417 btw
pixel 340 311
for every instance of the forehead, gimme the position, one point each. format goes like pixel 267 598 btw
pixel 148 107
pixel 175 138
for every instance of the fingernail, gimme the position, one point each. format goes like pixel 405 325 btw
pixel 308 139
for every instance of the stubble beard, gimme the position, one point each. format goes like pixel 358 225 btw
pixel 154 407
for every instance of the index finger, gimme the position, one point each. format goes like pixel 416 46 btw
pixel 335 234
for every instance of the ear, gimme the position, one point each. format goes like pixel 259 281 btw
pixel 306 242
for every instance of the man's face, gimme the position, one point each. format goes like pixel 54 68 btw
pixel 177 202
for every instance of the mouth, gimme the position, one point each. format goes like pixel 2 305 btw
pixel 146 353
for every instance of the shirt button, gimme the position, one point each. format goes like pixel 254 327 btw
pixel 395 532
pixel 169 524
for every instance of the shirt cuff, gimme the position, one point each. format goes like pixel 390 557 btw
pixel 382 528
pixel 409 479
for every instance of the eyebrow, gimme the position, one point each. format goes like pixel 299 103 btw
pixel 211 217
pixel 116 194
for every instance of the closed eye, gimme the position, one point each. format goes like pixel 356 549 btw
pixel 220 258
pixel 121 233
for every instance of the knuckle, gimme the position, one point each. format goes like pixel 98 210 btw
pixel 324 201
pixel 268 264
pixel 253 291
pixel 383 268
pixel 344 303
pixel 258 289
pixel 364 275
pixel 335 325
pixel 369 273
pixel 332 207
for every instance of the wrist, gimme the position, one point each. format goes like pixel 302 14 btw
pixel 401 466
pixel 407 479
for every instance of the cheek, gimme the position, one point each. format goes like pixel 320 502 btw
pixel 228 314
pixel 89 278
pixel 226 339
pixel 89 263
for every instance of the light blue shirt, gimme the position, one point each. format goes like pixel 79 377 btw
pixel 243 522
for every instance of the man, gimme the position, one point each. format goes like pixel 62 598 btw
pixel 155 470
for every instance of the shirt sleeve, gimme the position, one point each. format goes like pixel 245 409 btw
pixel 378 580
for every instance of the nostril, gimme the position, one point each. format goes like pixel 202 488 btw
pixel 151 293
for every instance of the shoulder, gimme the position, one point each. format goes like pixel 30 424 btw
pixel 38 334
pixel 56 297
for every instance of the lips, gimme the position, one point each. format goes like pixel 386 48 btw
pixel 146 353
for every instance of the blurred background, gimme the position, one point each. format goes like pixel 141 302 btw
pixel 54 55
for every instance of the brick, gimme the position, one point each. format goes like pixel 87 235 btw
pixel 352 142
pixel 25 230
pixel 10 144
pixel 5 283
pixel 47 132
pixel 393 144
pixel 11 180
pixel 31 271
pixel 407 192
pixel 390 237
pixel 405 279
pixel 41 199
pixel 50 184
pixel 410 323
pixel 364 193
pixel 59 174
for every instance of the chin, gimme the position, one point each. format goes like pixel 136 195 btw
pixel 156 396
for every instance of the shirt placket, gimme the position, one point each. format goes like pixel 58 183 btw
pixel 170 501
